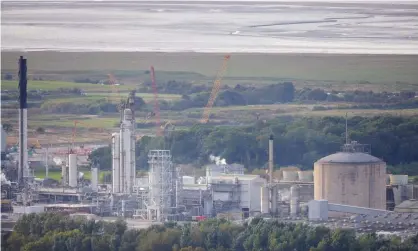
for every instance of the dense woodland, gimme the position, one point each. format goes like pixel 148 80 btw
pixel 54 232
pixel 298 141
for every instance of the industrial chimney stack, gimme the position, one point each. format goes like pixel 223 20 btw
pixel 271 185
pixel 23 121
pixel 271 159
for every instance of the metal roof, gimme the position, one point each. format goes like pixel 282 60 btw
pixel 349 157
pixel 233 176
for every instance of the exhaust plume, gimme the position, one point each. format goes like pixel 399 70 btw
pixel 217 160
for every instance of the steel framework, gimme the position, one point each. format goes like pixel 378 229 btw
pixel 163 187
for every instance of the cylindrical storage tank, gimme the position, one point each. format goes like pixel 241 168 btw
pixel 64 174
pixel 188 180
pixel 72 170
pixel 115 163
pixel 305 176
pixel 290 175
pixel 264 200
pixel 351 178
pixel 398 179
pixel 94 178
pixel 294 200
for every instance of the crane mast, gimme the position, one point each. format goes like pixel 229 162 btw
pixel 215 90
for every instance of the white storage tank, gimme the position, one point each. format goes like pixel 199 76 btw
pixel 305 176
pixel 142 181
pixel 94 178
pixel 351 178
pixel 188 180
pixel 294 200
pixel 290 175
pixel 72 170
pixel 64 174
pixel 264 199
pixel 398 179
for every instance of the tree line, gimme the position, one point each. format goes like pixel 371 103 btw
pixel 299 141
pixel 57 232
pixel 196 96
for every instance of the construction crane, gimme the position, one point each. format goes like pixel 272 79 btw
pixel 215 90
pixel 156 106
pixel 115 91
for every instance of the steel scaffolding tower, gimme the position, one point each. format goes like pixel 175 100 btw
pixel 163 187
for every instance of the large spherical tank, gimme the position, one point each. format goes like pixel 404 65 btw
pixel 351 178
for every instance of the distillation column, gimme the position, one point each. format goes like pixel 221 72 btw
pixel 115 163
pixel 127 152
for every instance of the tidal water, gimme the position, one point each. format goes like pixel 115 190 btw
pixel 372 27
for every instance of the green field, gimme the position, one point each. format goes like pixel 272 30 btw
pixel 55 85
pixel 365 71
pixel 90 98
pixel 56 174
pixel 95 122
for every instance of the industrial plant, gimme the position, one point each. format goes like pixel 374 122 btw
pixel 350 188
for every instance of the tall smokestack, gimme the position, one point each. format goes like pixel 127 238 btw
pixel 271 158
pixel 23 124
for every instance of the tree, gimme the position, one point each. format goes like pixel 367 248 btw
pixel 102 157
pixel 40 130
pixel 8 76
pixel 7 127
pixel 33 233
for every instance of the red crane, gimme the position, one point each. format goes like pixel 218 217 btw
pixel 156 106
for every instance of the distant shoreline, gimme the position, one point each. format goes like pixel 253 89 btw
pixel 308 66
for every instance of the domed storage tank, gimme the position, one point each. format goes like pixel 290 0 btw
pixel 351 178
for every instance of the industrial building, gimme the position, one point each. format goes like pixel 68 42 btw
pixel 345 184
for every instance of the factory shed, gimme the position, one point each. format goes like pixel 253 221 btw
pixel 407 206
pixel 241 192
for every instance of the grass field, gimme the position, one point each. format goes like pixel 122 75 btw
pixel 322 70
pixel 56 174
pixel 55 85
pixel 90 98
